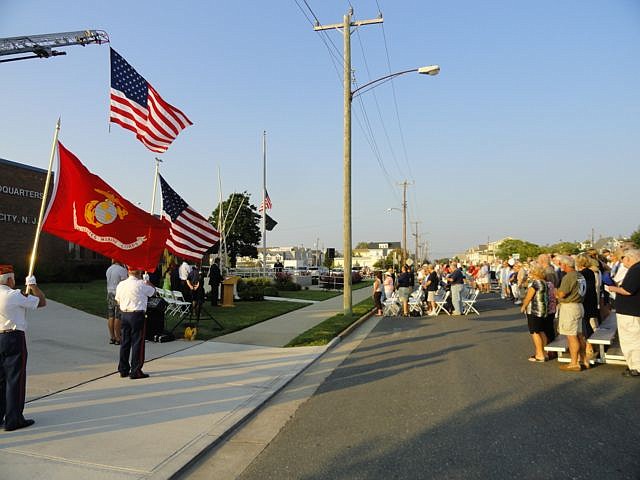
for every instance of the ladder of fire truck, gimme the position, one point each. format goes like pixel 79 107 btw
pixel 42 46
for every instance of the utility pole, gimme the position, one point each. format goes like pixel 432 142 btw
pixel 345 26
pixel 404 184
pixel 417 235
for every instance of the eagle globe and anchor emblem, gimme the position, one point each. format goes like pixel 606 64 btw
pixel 103 212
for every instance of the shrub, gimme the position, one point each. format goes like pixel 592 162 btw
pixel 284 282
pixel 271 291
pixel 252 293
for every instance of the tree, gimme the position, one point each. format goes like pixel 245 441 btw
pixel 524 249
pixel 362 245
pixel 564 248
pixel 327 261
pixel 243 235
pixel 635 238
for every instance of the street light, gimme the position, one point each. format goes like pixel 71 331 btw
pixel 345 26
pixel 349 95
pixel 403 245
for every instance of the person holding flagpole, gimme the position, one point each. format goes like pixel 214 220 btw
pixel 13 346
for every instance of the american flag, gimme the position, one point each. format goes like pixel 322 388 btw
pixel 136 106
pixel 190 235
pixel 266 203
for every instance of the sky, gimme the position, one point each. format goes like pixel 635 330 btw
pixel 530 130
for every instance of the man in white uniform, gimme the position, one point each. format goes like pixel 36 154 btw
pixel 132 295
pixel 13 346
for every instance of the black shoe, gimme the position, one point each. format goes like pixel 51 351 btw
pixel 630 373
pixel 136 376
pixel 124 375
pixel 112 341
pixel 25 423
pixel 116 342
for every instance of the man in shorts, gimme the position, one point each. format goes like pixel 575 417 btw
pixel 570 294
pixel 115 274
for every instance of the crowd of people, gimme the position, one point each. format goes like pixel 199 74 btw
pixel 570 295
pixel 429 279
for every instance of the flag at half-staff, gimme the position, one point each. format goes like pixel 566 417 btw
pixel 266 203
pixel 85 210
pixel 269 223
pixel 136 106
pixel 190 234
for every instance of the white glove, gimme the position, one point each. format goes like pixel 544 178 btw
pixel 145 277
pixel 30 280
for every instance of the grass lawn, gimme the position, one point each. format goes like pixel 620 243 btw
pixel 91 297
pixel 242 315
pixel 324 332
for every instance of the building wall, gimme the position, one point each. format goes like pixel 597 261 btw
pixel 21 188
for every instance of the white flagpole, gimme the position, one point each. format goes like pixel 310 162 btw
pixel 264 199
pixel 155 185
pixel 34 251
pixel 220 226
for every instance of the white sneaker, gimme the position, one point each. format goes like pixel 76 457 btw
pixel 518 302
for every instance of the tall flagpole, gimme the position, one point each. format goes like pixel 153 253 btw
pixel 220 227
pixel 155 185
pixel 264 201
pixel 34 251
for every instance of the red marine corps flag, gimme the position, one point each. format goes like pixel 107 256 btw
pixel 85 210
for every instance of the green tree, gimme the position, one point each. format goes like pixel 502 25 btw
pixel 635 238
pixel 243 235
pixel 362 245
pixel 327 261
pixel 565 248
pixel 524 249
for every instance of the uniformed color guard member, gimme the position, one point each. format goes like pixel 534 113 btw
pixel 13 346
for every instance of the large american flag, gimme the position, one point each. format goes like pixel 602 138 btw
pixel 266 203
pixel 136 106
pixel 190 235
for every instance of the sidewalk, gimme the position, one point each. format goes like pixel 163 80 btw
pixel 90 423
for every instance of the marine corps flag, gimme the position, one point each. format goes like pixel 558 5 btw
pixel 85 210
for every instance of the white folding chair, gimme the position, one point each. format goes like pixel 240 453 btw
pixel 167 297
pixel 415 302
pixel 441 302
pixel 182 306
pixel 468 304
pixel 391 306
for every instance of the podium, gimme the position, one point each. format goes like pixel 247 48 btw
pixel 228 287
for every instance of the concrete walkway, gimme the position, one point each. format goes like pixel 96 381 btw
pixel 90 423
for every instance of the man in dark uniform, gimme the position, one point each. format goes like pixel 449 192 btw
pixel 13 346
pixel 215 278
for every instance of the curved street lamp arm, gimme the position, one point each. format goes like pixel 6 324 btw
pixel 381 79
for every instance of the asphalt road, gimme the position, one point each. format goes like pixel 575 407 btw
pixel 455 397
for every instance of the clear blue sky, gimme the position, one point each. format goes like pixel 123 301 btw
pixel 530 130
